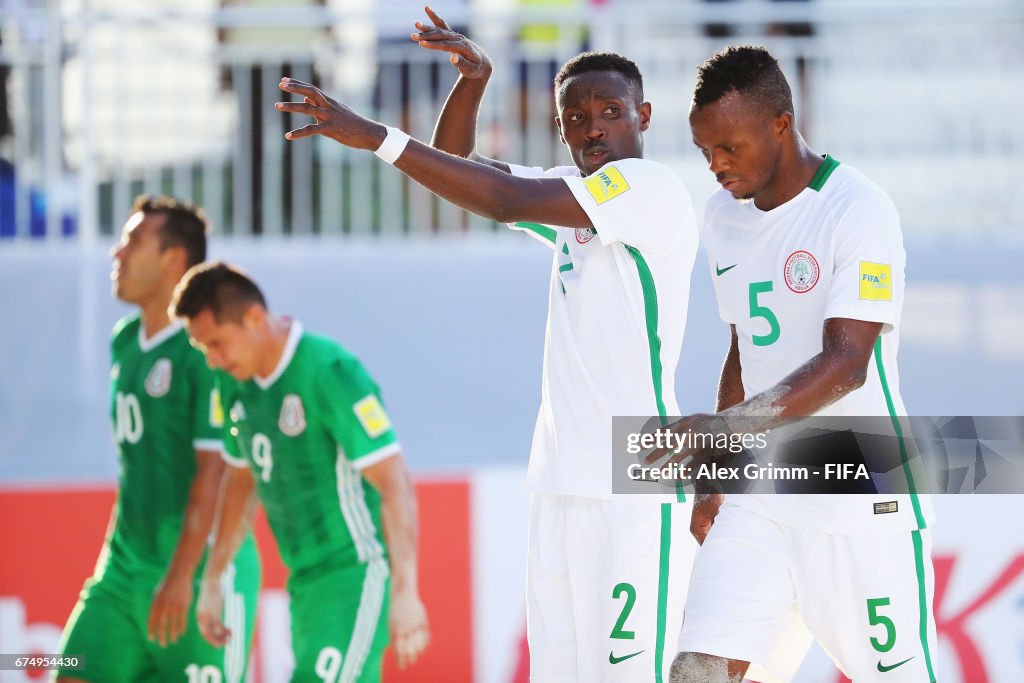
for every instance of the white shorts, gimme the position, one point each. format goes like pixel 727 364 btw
pixel 760 588
pixel 606 583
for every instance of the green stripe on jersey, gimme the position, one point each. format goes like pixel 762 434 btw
pixel 654 344
pixel 538 229
pixel 822 174
pixel 653 340
pixel 651 315
pixel 911 488
pixel 663 569
pixel 922 601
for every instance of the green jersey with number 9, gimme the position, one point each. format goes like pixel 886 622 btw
pixel 307 431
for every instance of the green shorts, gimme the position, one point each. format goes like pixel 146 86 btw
pixel 108 627
pixel 340 624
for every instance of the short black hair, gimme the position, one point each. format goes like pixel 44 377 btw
pixel 220 288
pixel 185 225
pixel 748 70
pixel 602 61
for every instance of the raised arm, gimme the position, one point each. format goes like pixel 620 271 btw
pixel 470 185
pixel 455 131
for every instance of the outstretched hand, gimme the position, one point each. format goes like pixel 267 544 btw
pixel 333 119
pixel 468 57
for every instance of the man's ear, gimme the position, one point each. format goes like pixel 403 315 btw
pixel 254 318
pixel 558 125
pixel 783 123
pixel 175 260
pixel 645 116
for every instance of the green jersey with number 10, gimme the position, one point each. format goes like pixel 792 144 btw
pixel 163 408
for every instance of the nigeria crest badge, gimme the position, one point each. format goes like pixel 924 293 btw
pixel 801 271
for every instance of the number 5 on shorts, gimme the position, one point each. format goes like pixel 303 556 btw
pixel 876 619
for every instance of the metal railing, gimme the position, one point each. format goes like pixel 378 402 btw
pixel 107 104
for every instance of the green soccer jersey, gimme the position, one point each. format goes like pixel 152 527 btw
pixel 307 431
pixel 163 407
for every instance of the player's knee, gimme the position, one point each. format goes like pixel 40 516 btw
pixel 696 667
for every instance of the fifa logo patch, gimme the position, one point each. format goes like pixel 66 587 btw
pixel 605 184
pixel 801 271
pixel 216 409
pixel 371 416
pixel 875 281
pixel 292 421
pixel 158 381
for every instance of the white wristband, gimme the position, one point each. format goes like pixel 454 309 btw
pixel 393 145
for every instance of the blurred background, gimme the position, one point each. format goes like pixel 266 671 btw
pixel 102 100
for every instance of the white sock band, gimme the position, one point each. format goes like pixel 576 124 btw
pixel 393 145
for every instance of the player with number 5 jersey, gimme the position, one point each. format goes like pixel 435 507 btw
pixel 307 433
pixel 807 259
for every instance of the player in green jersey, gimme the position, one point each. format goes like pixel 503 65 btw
pixel 308 435
pixel 134 621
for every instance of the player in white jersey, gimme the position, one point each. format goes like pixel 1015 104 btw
pixel 807 261
pixel 623 236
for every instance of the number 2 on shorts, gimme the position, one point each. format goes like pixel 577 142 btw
pixel 630 592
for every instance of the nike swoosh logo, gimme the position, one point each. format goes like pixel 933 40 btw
pixel 882 668
pixel 612 659
pixel 722 271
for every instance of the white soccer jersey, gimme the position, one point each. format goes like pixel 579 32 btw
pixel 616 314
pixel 833 251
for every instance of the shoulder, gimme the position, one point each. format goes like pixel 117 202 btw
pixel 638 170
pixel 852 194
pixel 717 204
pixel 328 356
pixel 126 329
pixel 719 198
pixel 638 184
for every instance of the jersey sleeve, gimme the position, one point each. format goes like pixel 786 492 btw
pixel 355 415
pixel 230 452
pixel 869 263
pixel 208 411
pixel 121 332
pixel 636 202
pixel 545 234
pixel 707 239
